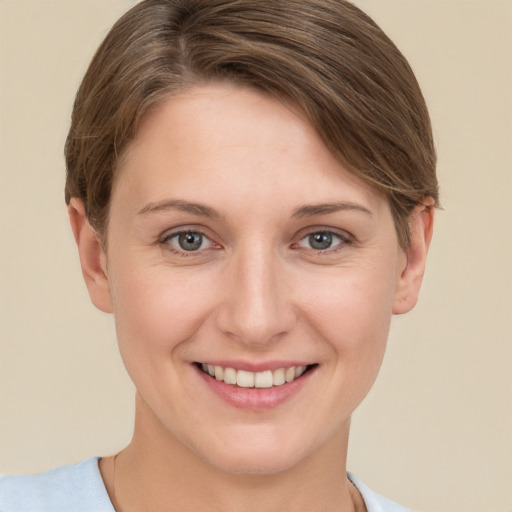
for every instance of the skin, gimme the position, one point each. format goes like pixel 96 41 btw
pixel 256 291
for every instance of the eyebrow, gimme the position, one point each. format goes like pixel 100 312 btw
pixel 178 204
pixel 310 210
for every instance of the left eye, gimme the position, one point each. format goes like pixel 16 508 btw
pixel 321 240
pixel 189 241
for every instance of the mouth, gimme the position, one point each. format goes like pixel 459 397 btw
pixel 261 380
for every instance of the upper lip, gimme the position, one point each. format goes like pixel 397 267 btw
pixel 255 367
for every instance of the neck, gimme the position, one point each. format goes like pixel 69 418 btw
pixel 156 472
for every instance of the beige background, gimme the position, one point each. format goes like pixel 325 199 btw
pixel 436 431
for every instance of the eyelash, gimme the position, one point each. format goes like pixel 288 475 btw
pixel 344 240
pixel 166 242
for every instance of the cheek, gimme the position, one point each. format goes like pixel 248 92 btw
pixel 351 312
pixel 353 303
pixel 156 310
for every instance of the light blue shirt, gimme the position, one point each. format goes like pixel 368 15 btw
pixel 80 488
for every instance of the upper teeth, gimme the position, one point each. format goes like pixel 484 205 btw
pixel 246 379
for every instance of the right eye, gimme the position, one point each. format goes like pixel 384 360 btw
pixel 188 241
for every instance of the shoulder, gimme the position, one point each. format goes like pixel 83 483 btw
pixel 375 502
pixel 74 488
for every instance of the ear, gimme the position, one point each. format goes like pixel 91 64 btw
pixel 92 257
pixel 409 282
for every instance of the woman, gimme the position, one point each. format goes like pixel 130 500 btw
pixel 251 188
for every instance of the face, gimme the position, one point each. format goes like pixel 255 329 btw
pixel 238 245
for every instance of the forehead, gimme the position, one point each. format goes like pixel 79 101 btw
pixel 216 116
pixel 248 141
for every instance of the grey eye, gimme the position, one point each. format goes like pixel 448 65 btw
pixel 320 241
pixel 190 241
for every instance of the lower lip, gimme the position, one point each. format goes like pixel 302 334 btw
pixel 255 399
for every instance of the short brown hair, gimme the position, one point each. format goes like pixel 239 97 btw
pixel 326 56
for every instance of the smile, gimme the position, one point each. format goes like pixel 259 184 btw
pixel 248 379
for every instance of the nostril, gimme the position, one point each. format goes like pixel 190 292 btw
pixel 255 309
pixel 250 328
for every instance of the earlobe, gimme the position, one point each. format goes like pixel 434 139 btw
pixel 92 256
pixel 409 281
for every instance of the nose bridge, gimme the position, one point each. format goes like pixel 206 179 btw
pixel 257 306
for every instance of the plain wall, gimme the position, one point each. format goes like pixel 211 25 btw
pixel 435 433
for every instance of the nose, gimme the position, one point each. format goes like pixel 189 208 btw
pixel 257 306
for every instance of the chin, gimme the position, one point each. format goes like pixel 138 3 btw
pixel 255 453
pixel 265 462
